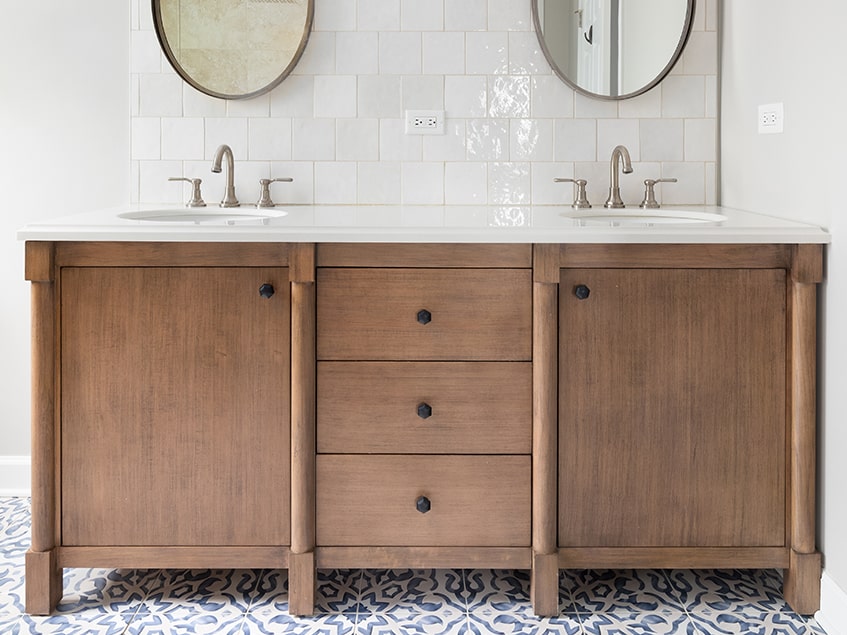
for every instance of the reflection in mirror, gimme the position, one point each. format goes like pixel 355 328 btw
pixel 612 49
pixel 233 49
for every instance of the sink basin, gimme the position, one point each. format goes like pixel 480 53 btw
pixel 202 215
pixel 642 217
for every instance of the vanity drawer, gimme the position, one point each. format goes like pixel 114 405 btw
pixel 480 501
pixel 425 407
pixel 424 314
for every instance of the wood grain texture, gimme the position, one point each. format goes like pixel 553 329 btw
pixel 43 582
pixel 671 408
pixel 477 314
pixel 39 261
pixel 673 558
pixel 123 557
pixel 43 429
pixel 697 256
pixel 477 501
pixel 301 583
pixel 302 417
pixel 802 582
pixel 372 407
pixel 167 254
pixel 423 557
pixel 807 263
pixel 545 263
pixel 802 399
pixel 302 262
pixel 420 255
pixel 544 584
pixel 544 417
pixel 175 407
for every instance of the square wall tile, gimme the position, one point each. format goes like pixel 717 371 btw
pixel 422 15
pixel 486 53
pixel 146 138
pixel 684 96
pixel 379 15
pixel 466 96
pixel 380 96
pixel 379 183
pixel 313 139
pixel 551 97
pixel 700 139
pixel 183 138
pixel 525 56
pixel 575 140
pixel 508 15
pixel 614 132
pixel 400 53
pixel 335 182
pixel 335 96
pixel 229 130
pixel 531 140
pixel 444 53
pixel 465 15
pixel 357 139
pixel 270 139
pixel 335 15
pixel 357 53
pixel 422 183
pixel 301 189
pixel 466 183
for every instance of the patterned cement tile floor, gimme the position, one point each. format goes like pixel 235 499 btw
pixel 378 602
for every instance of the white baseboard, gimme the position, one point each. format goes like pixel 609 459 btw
pixel 15 476
pixel 833 614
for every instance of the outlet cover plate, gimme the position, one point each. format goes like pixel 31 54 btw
pixel 424 122
pixel 771 118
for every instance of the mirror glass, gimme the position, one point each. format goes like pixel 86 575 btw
pixel 233 49
pixel 612 49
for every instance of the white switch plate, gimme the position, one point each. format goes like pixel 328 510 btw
pixel 424 122
pixel 771 118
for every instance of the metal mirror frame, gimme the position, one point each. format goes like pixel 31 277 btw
pixel 172 60
pixel 686 32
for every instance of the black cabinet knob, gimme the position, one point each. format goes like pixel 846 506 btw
pixel 423 504
pixel 424 316
pixel 266 290
pixel 581 291
pixel 424 410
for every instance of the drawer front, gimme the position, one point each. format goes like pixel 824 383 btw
pixel 424 314
pixel 425 407
pixel 397 500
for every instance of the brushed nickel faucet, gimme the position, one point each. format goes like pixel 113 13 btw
pixel 620 152
pixel 224 151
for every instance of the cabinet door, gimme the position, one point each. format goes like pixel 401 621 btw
pixel 672 408
pixel 175 406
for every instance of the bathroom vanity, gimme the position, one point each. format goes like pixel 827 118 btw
pixel 299 393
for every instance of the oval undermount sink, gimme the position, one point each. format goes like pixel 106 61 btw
pixel 201 215
pixel 643 217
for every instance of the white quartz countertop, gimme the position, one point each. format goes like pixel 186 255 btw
pixel 421 224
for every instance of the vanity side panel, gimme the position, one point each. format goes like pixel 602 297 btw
pixel 175 407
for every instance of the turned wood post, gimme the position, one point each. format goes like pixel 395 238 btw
pixel 544 588
pixel 43 575
pixel 802 578
pixel 301 574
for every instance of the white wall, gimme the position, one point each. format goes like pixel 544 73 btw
pixel 65 147
pixel 797 57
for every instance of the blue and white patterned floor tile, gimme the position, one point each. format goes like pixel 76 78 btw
pixel 383 602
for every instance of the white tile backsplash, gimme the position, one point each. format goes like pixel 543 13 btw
pixel 336 123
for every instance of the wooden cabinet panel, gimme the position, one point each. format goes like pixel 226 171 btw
pixel 465 407
pixel 672 408
pixel 476 501
pixel 175 407
pixel 475 314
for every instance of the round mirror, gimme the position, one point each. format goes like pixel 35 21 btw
pixel 612 49
pixel 233 49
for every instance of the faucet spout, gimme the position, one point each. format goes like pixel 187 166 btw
pixel 619 153
pixel 225 152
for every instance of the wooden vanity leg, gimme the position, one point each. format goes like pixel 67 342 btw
pixel 43 575
pixel 544 589
pixel 301 568
pixel 802 581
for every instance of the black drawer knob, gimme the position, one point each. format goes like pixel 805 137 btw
pixel 581 291
pixel 423 504
pixel 266 290
pixel 424 410
pixel 424 316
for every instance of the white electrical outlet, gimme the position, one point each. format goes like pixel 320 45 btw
pixel 770 118
pixel 424 122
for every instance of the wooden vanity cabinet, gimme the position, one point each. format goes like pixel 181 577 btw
pixel 424 388
pixel 162 438
pixel 536 407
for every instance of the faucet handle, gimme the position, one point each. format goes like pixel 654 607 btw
pixel 265 196
pixel 196 197
pixel 581 200
pixel 649 201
